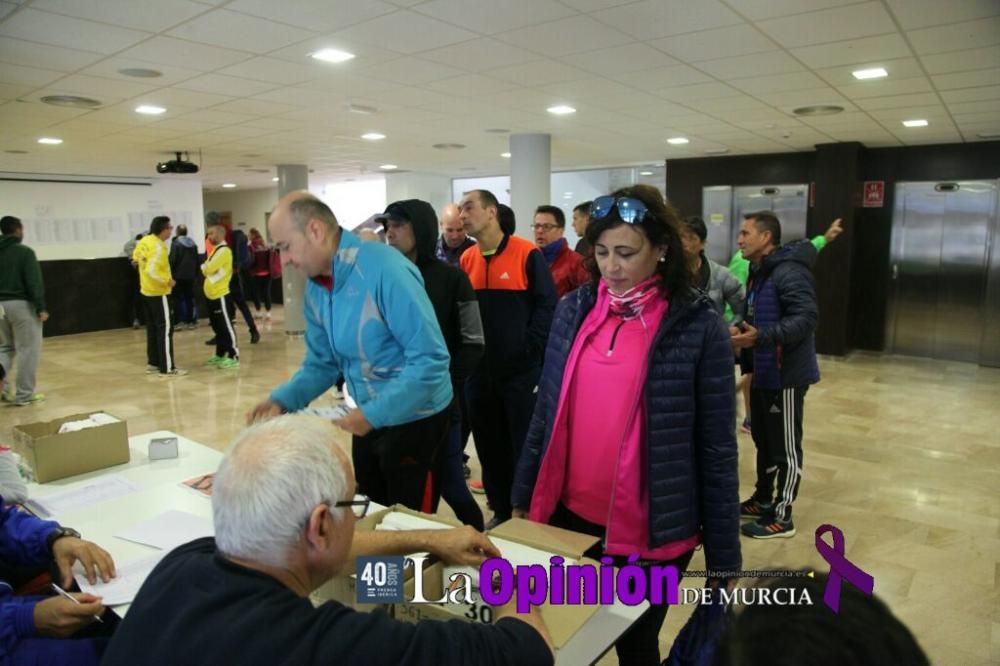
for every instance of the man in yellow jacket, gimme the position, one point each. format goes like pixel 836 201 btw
pixel 218 270
pixel 152 259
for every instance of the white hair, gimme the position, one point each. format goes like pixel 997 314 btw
pixel 268 483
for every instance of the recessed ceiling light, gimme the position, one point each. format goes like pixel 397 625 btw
pixel 16 152
pixel 678 141
pixel 716 151
pixel 873 73
pixel 72 101
pixel 561 110
pixel 497 130
pixel 387 167
pixel 50 141
pixel 818 110
pixel 645 173
pixel 150 110
pixel 275 179
pixel 448 146
pixel 140 72
pixel 918 122
pixel 229 186
pixel 507 155
pixel 332 55
pixel 372 136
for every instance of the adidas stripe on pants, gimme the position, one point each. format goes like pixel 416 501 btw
pixel 776 425
pixel 220 312
pixel 159 333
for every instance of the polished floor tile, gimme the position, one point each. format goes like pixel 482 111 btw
pixel 902 454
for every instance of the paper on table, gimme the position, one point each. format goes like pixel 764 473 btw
pixel 395 520
pixel 98 490
pixel 168 529
pixel 122 588
pixel 515 553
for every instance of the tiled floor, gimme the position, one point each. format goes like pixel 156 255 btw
pixel 902 454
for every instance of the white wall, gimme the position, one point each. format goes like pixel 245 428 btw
pixel 86 221
pixel 250 206
pixel 435 190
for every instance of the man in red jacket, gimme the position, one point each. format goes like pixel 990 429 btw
pixel 566 265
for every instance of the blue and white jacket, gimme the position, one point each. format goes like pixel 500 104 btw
pixel 376 327
pixel 23 543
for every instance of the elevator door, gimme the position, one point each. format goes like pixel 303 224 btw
pixel 723 208
pixel 940 244
pixel 789 202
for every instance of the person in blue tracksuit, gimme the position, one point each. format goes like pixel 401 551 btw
pixel 32 627
pixel 368 319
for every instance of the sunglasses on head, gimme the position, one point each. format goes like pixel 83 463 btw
pixel 630 210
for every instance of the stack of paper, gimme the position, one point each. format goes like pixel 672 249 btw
pixel 101 489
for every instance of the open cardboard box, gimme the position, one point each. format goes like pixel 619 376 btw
pixel 344 588
pixel 55 456
pixel 563 621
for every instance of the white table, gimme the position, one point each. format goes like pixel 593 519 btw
pixel 160 490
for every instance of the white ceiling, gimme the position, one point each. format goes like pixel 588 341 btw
pixel 242 92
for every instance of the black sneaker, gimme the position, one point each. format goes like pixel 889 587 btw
pixel 210 343
pixel 769 529
pixel 495 521
pixel 754 509
pixel 254 337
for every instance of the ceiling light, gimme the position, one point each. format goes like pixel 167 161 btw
pixel 981 135
pixel 874 73
pixel 645 173
pixel 150 110
pixel 387 167
pixel 72 101
pixel 497 130
pixel 716 151
pixel 678 141
pixel 275 179
pixel 16 152
pixel 561 110
pixel 507 155
pixel 50 141
pixel 818 110
pixel 448 146
pixel 229 186
pixel 140 72
pixel 332 55
pixel 373 136
pixel 919 122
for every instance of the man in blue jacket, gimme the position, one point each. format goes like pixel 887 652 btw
pixel 29 625
pixel 778 346
pixel 369 320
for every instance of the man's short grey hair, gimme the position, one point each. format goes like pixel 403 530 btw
pixel 269 481
pixel 306 208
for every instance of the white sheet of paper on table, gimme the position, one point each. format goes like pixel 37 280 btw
pixel 102 489
pixel 125 585
pixel 329 413
pixel 169 529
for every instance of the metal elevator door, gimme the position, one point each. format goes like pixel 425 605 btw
pixel 723 208
pixel 941 235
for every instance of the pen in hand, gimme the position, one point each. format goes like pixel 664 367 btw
pixel 72 598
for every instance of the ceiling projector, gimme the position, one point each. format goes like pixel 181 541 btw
pixel 177 166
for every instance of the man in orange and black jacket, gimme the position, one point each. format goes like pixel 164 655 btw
pixel 516 300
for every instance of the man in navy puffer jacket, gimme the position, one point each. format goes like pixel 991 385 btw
pixel 779 348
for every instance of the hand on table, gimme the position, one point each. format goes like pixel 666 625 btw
pixel 96 561
pixel 463 545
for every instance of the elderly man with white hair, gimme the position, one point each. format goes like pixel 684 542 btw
pixel 284 512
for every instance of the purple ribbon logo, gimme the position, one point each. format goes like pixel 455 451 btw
pixel 840 567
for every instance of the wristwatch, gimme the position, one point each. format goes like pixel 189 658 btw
pixel 59 533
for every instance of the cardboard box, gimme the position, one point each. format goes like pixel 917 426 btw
pixel 55 456
pixel 343 588
pixel 563 621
